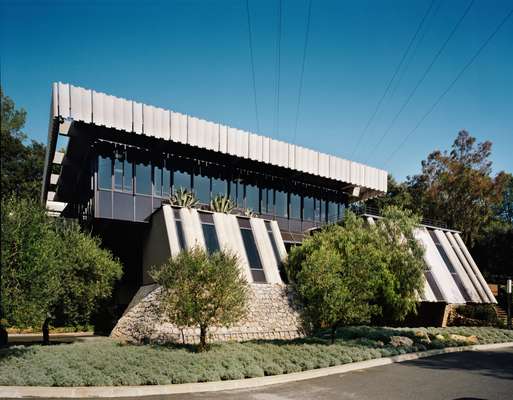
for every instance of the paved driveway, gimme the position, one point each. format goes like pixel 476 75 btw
pixel 457 376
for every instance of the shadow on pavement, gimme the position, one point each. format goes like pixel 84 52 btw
pixel 483 362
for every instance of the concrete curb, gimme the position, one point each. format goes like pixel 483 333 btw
pixel 16 392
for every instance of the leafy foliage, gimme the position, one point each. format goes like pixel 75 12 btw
pixel 21 164
pixel 345 274
pixel 31 281
pixel 105 362
pixel 50 267
pixel 87 275
pixel 183 198
pixel 222 204
pixel 457 186
pixel 201 289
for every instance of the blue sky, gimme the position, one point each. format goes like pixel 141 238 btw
pixel 193 57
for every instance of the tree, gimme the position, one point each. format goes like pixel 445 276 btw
pixel 87 275
pixel 345 274
pixel 202 290
pixel 30 279
pixel 456 187
pixel 21 164
pixel 49 267
pixel 402 279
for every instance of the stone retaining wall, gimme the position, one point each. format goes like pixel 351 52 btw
pixel 271 315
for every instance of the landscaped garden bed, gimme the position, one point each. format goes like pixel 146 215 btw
pixel 106 362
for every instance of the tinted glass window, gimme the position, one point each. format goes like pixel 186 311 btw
pixel 166 182
pixel 251 249
pixel 218 187
pixel 211 242
pixel 181 180
pixel 280 203
pixel 127 176
pixel 295 206
pixel 308 208
pixel 157 181
pixel 253 198
pixel 236 193
pixel 118 174
pixel 104 173
pixel 320 210
pixel 273 242
pixel 202 188
pixel 267 201
pixel 143 178
pixel 253 257
pixel 332 211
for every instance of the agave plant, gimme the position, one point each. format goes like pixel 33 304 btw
pixel 221 203
pixel 183 198
pixel 248 212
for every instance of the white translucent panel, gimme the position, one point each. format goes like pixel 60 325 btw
pixel 265 149
pixel 255 147
pixel 178 127
pixel 223 138
pixel 64 100
pixel 324 165
pixel 81 106
pixel 292 156
pixel 137 113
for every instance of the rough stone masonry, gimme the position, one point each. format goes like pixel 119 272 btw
pixel 271 315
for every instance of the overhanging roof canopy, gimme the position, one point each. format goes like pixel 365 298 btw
pixel 78 104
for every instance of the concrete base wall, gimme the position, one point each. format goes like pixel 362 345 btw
pixel 271 315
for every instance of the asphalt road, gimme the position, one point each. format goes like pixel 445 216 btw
pixel 457 376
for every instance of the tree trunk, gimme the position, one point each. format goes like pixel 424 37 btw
pixel 333 333
pixel 4 336
pixel 203 338
pixel 46 331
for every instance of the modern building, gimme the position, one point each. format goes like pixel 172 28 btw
pixel 112 163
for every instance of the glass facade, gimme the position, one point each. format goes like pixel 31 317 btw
pixel 202 188
pixel 104 173
pixel 181 180
pixel 157 180
pixel 143 178
pixel 253 198
pixel 210 235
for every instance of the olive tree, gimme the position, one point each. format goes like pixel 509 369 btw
pixel 202 290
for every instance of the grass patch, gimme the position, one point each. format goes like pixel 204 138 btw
pixel 106 362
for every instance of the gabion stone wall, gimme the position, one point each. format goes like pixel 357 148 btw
pixel 271 315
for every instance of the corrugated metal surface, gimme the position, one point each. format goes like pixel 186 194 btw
pixel 126 115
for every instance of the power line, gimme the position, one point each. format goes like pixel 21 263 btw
pixel 423 77
pixel 277 72
pixel 397 69
pixel 252 66
pixel 300 92
pixel 458 76
pixel 414 51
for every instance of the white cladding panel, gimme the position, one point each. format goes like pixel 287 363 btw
pixel 64 101
pixel 223 138
pixel 81 104
pixel 475 281
pixel 137 117
pixel 460 271
pixel 472 263
pixel 255 147
pixel 324 165
pixel 178 127
pixel 105 110
pixel 265 249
